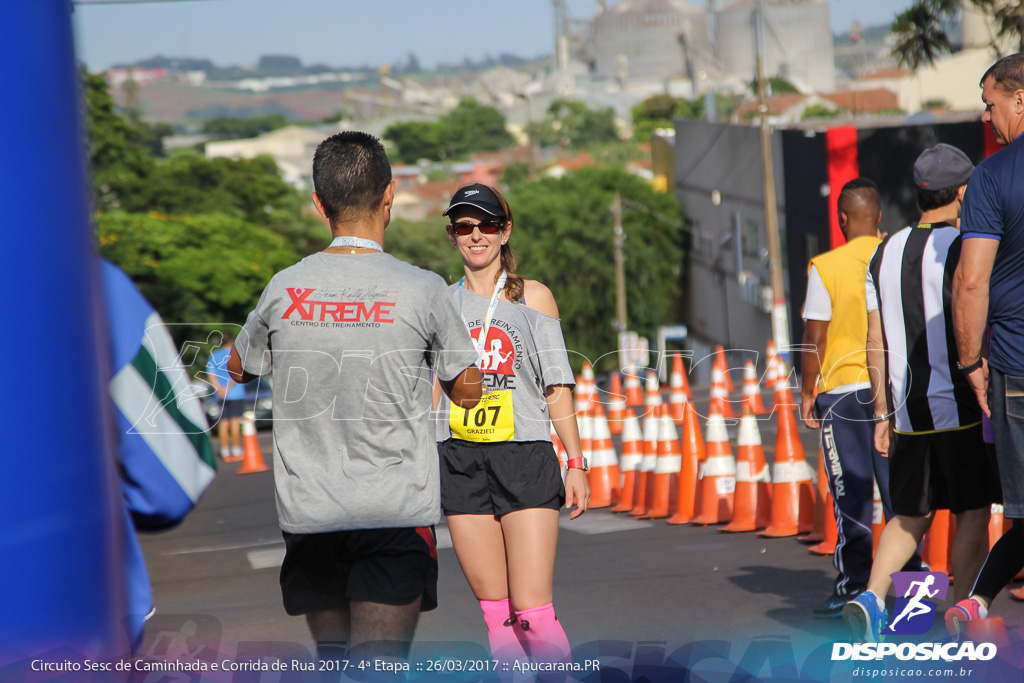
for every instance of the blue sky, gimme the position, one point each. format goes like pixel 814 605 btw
pixel 347 32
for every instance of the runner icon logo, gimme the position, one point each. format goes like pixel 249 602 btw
pixel 915 611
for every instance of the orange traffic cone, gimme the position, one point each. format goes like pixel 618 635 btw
pixel 722 363
pixel 817 534
pixel 771 366
pixel 719 395
pixel 717 476
pixel 589 383
pixel 693 455
pixel 751 391
pixel 580 399
pixel 665 480
pixel 783 394
pixel 877 520
pixel 629 462
pixel 828 546
pixel 586 431
pixel 792 489
pixel 604 463
pixel 559 448
pixel 645 477
pixel 752 507
pixel 616 405
pixel 252 457
pixel 937 543
pixel 679 392
pixel 989 630
pixel 996 524
pixel 652 393
pixel 634 392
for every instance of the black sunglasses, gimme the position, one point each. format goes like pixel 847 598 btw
pixel 463 228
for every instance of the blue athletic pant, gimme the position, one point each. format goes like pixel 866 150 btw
pixel 852 465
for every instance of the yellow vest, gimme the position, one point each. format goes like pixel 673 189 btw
pixel 843 271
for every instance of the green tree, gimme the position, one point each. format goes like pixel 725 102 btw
pixel 187 183
pixel 657 111
pixel 468 127
pixel 572 124
pixel 424 244
pixel 819 111
pixel 472 127
pixel 197 271
pixel 230 128
pixel 564 237
pixel 775 86
pixel 118 152
pixel 415 140
pixel 920 35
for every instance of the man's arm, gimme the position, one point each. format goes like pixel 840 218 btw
pixel 876 372
pixel 239 375
pixel 970 308
pixel 465 390
pixel 815 337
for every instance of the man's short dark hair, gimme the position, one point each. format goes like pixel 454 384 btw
pixel 1008 73
pixel 928 200
pixel 859 199
pixel 350 173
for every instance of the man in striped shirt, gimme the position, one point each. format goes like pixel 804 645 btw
pixel 937 457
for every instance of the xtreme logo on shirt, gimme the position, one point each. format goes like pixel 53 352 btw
pixel 312 310
pixel 501 355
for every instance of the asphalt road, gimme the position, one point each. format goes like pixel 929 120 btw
pixel 645 587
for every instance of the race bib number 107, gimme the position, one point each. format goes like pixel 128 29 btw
pixel 490 420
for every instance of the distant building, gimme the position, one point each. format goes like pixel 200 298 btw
pixel 291 147
pixel 118 76
pixel 798 41
pixel 650 39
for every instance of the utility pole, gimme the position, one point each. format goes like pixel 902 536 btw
pixel 780 316
pixel 620 266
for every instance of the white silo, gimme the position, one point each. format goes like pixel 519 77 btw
pixel 798 44
pixel 654 39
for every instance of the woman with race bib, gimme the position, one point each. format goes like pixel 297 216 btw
pixel 501 482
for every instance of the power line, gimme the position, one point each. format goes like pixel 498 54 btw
pixel 130 2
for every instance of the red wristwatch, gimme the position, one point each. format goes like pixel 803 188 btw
pixel 579 463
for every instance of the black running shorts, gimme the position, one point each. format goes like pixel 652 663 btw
pixel 949 470
pixel 388 566
pixel 498 478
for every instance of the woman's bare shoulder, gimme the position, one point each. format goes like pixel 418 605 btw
pixel 540 298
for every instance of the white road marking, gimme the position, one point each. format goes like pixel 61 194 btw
pixel 217 548
pixel 264 559
pixel 590 524
pixel 444 537
pixel 273 557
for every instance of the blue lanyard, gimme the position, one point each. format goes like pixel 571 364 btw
pixel 358 242
pixel 499 285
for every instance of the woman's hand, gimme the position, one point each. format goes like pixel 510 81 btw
pixel 577 491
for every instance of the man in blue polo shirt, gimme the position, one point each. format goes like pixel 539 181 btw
pixel 988 283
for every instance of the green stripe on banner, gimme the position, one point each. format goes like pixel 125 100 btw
pixel 164 393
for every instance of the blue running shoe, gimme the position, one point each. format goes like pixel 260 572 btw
pixel 865 621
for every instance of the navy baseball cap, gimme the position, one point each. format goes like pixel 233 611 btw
pixel 941 167
pixel 479 196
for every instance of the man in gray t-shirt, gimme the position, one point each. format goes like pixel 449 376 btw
pixel 351 335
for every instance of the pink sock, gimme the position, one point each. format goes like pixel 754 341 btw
pixel 542 634
pixel 504 642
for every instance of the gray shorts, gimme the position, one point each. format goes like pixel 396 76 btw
pixel 1006 401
